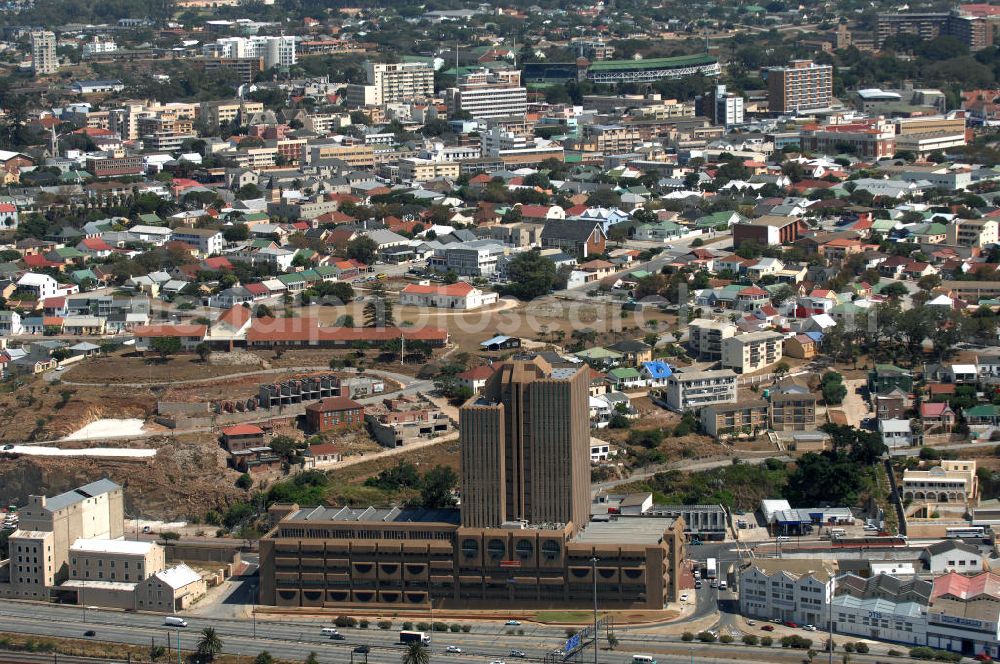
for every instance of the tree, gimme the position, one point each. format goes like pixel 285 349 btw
pixel 531 275
pixel 263 311
pixel 416 653
pixel 263 658
pixel 237 233
pixel 832 387
pixel 313 658
pixel 378 309
pixel 203 350
pixel 244 482
pixel 209 645
pixel 436 487
pixel 166 346
pixel 362 249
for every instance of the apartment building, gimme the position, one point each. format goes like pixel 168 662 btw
pixel 721 107
pixel 356 155
pixel 735 419
pixel 207 241
pixel 215 113
pixel 334 413
pixel 793 409
pixel 972 232
pixel 393 83
pixel 609 139
pixel 791 590
pixel 44 59
pixel 422 170
pixel 694 389
pixel 489 94
pixel 976 32
pixel 246 69
pixel 706 336
pixel 476 258
pixel 746 353
pixel 953 481
pixel 274 51
pixel 801 86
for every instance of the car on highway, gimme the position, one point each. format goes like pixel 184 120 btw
pixel 722 585
pixel 453 649
pixel 338 637
pixel 516 653
pixel 498 661
pixel 767 628
pixel 697 585
pixel 90 632
pixel 328 631
pixel 513 623
pixel 362 649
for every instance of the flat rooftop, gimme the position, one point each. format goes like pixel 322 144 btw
pixel 376 515
pixel 131 547
pixel 647 530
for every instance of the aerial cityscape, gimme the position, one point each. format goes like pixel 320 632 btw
pixel 485 332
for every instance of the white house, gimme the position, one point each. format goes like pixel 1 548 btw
pixel 896 433
pixel 10 323
pixel 207 240
pixel 39 285
pixel 461 295
pixel 952 556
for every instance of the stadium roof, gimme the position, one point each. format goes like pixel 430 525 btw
pixel 653 63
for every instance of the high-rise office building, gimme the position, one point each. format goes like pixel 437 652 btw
pixel 393 83
pixel 489 94
pixel 801 86
pixel 525 447
pixel 43 53
pixel 721 107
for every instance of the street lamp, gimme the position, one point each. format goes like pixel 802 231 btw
pixel 178 645
pixel 833 582
pixel 593 565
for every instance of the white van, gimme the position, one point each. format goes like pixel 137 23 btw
pixel 174 621
pixel 328 631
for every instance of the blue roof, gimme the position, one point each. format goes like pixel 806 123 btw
pixel 658 369
pixel 815 336
pixel 495 340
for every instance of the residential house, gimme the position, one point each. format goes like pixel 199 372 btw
pixel 334 413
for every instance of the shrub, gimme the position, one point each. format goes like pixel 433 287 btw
pixel 454 627
pixel 706 637
pixel 345 621
pixel 424 627
pixel 468 628
pixel 520 632
pixel 363 624
pixel 170 535
pixel 766 641
pixel 750 639
pixel 861 647
pixel 384 624
pixel 895 653
pixel 440 627
pixel 922 652
pixel 407 624
pixel 570 631
pixel 687 636
pixel 796 641
pixel 725 638
pixel 848 647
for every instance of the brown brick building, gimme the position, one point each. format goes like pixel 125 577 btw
pixel 334 413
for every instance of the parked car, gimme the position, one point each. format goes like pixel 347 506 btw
pixel 684 597
pixel 809 628
pixel 789 623
pixel 767 628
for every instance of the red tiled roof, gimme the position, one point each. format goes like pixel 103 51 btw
pixel 257 288
pixel 459 289
pixel 242 430
pixel 218 263
pixel 481 372
pixel 235 317
pixel 166 330
pixel 54 302
pixel 334 404
pixel 752 290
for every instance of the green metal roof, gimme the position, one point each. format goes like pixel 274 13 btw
pixel 624 372
pixel 653 63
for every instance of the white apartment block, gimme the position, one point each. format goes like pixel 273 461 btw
pixel 972 232
pixel 127 561
pixel 97 46
pixel 789 590
pixel 486 94
pixel 706 336
pixel 693 389
pixel 393 83
pixel 40 286
pixel 43 53
pixel 32 563
pixel 206 240
pixel 276 51
pixel 746 353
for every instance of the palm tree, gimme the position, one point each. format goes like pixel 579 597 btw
pixel 210 644
pixel 416 653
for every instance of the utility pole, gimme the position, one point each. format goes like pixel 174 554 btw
pixel 833 581
pixel 178 645
pixel 593 565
